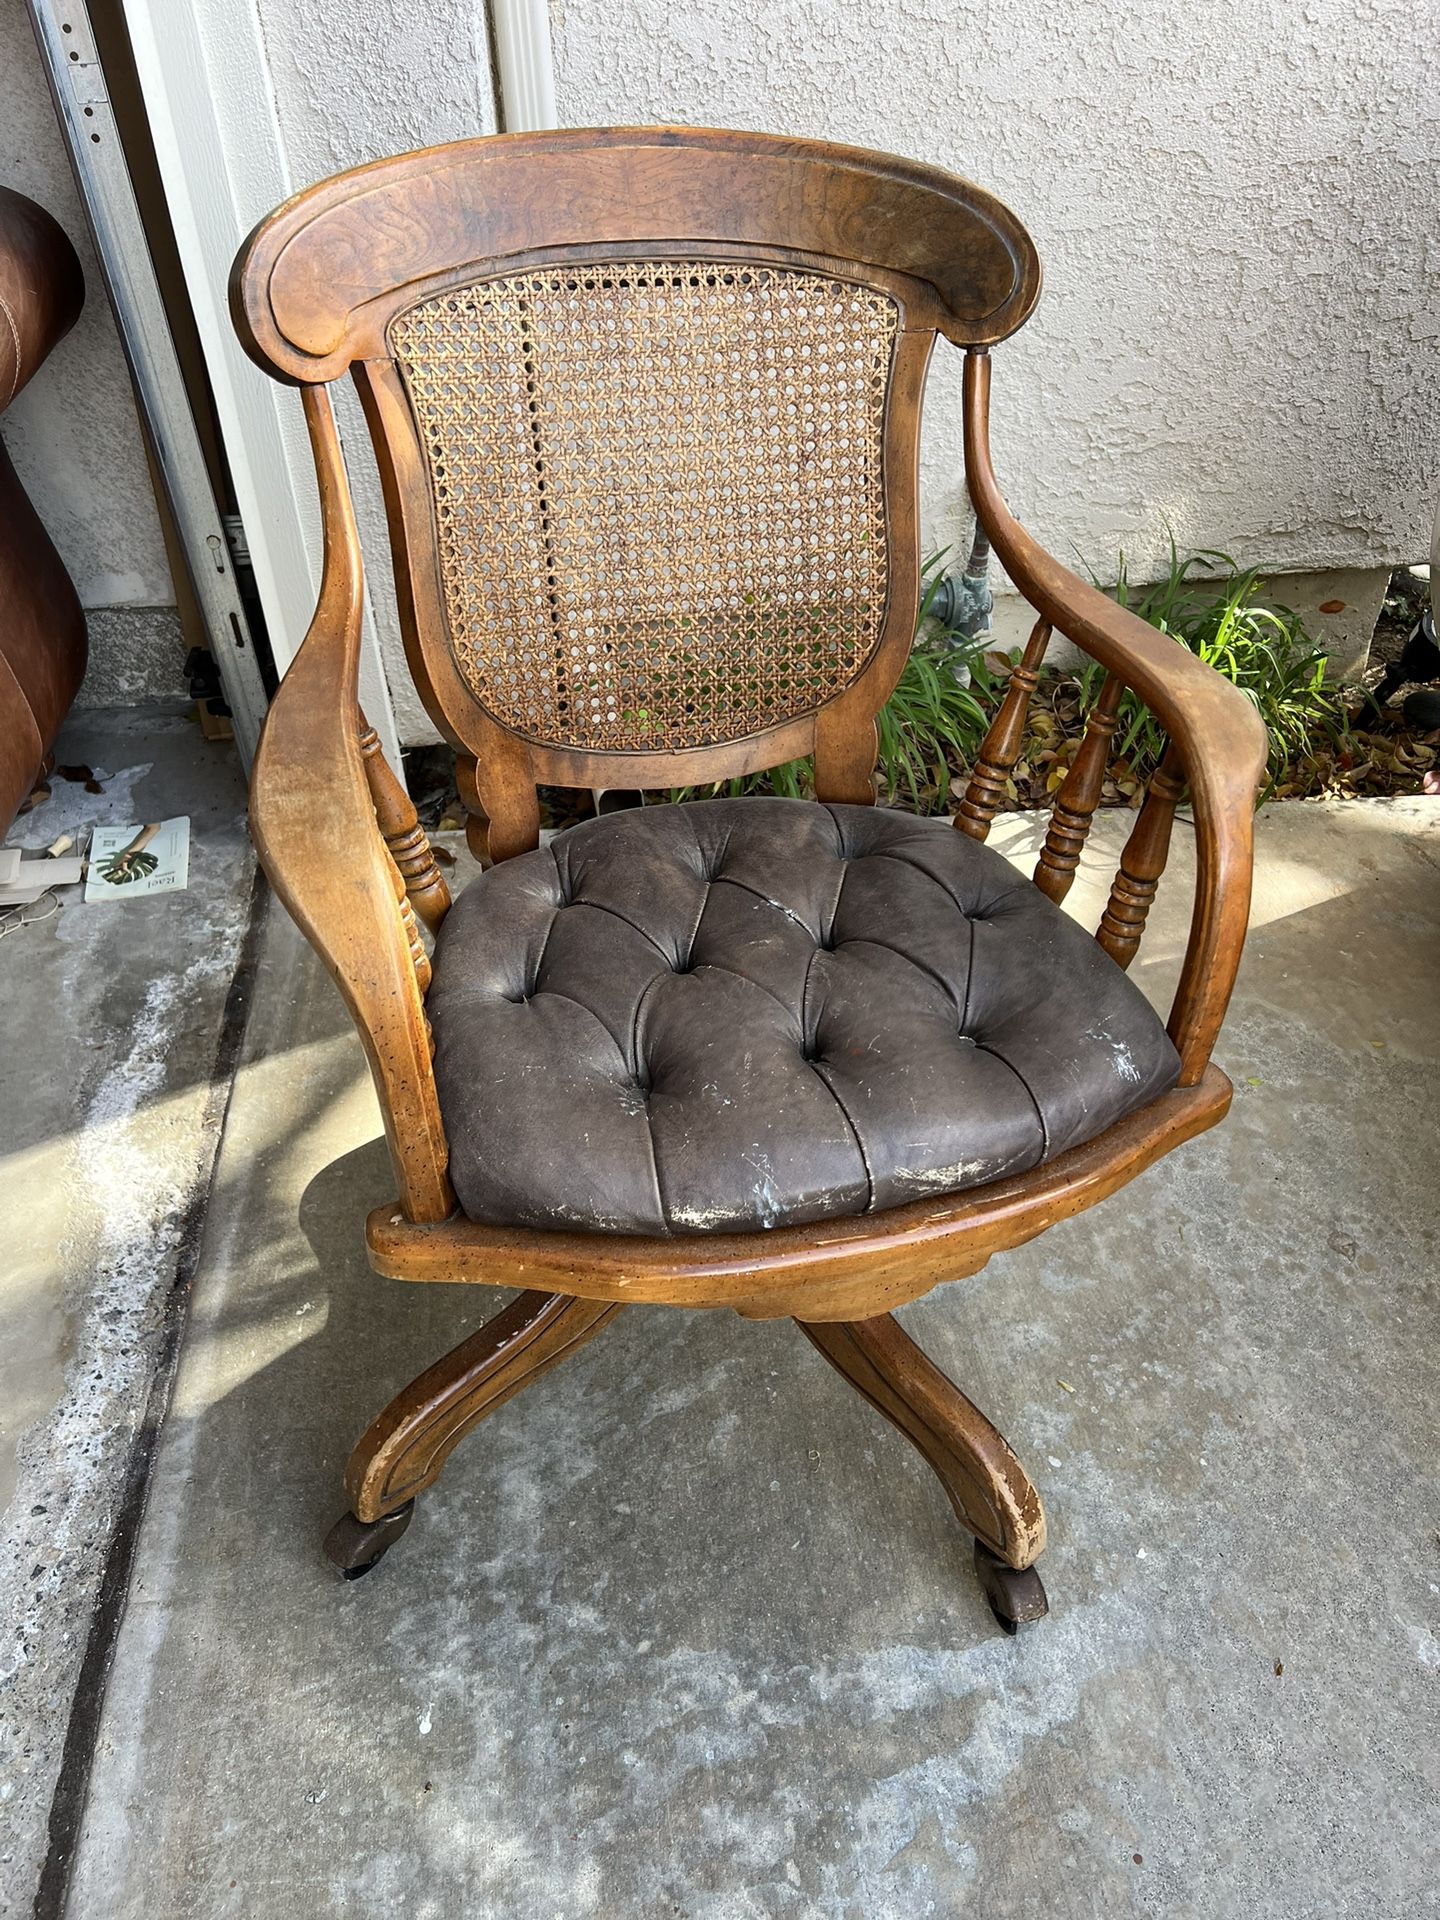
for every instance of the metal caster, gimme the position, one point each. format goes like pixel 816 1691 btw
pixel 1014 1593
pixel 355 1546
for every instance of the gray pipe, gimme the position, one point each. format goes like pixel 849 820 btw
pixel 963 602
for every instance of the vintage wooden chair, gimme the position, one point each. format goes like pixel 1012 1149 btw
pixel 646 406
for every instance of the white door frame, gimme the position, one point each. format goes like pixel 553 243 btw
pixel 208 98
pixel 525 63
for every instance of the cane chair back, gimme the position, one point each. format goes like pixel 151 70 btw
pixel 659 493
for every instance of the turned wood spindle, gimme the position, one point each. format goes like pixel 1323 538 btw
pixel 403 834
pixel 1001 748
pixel 1079 795
pixel 1142 863
pixel 419 958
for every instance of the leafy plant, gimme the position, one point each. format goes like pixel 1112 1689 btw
pixel 929 720
pixel 1262 648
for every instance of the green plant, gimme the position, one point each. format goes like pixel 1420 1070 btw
pixel 1261 647
pixel 931 720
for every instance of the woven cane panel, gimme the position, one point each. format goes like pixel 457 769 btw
pixel 658 491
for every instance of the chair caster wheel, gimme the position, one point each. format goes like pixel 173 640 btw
pixel 355 1546
pixel 1014 1593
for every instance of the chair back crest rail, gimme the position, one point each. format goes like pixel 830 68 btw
pixel 645 405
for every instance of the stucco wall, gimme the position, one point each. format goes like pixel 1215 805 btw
pixel 354 80
pixel 73 433
pixel 1235 206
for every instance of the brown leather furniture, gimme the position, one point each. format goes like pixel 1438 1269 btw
pixel 42 627
pixel 737 1015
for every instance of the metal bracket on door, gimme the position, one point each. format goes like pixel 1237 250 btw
pixel 67 48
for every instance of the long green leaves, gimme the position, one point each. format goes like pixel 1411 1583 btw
pixel 1262 647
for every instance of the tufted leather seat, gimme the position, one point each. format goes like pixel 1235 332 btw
pixel 745 1013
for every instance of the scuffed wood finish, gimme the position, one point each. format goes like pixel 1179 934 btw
pixel 991 1492
pixel 416 226
pixel 848 1268
pixel 502 807
pixel 845 737
pixel 403 834
pixel 317 283
pixel 845 749
pixel 313 823
pixel 1000 749
pixel 419 958
pixel 405 1447
pixel 1218 734
pixel 1079 795
pixel 1123 922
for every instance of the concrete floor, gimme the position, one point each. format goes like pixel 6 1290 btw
pixel 113 1076
pixel 687 1630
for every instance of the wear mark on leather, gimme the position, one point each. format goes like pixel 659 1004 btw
pixel 639 1069
pixel 913 960
pixel 842 845
pixel 894 853
pixel 969 978
pixel 730 880
pixel 809 1030
pixel 817 1067
pixel 598 906
pixel 713 865
pixel 827 923
pixel 719 966
pixel 1044 1129
pixel 700 915
pixel 534 985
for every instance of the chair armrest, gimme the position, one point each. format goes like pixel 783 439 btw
pixel 313 822
pixel 1217 732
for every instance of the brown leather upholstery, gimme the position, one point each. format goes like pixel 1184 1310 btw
pixel 42 628
pixel 745 1013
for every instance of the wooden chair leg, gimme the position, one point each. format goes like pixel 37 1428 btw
pixel 405 1446
pixel 988 1488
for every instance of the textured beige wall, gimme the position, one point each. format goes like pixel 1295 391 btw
pixel 354 80
pixel 73 434
pixel 1235 205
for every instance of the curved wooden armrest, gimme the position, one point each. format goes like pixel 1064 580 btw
pixel 313 822
pixel 1216 731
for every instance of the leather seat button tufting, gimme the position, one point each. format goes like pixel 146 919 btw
pixel 549 1127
